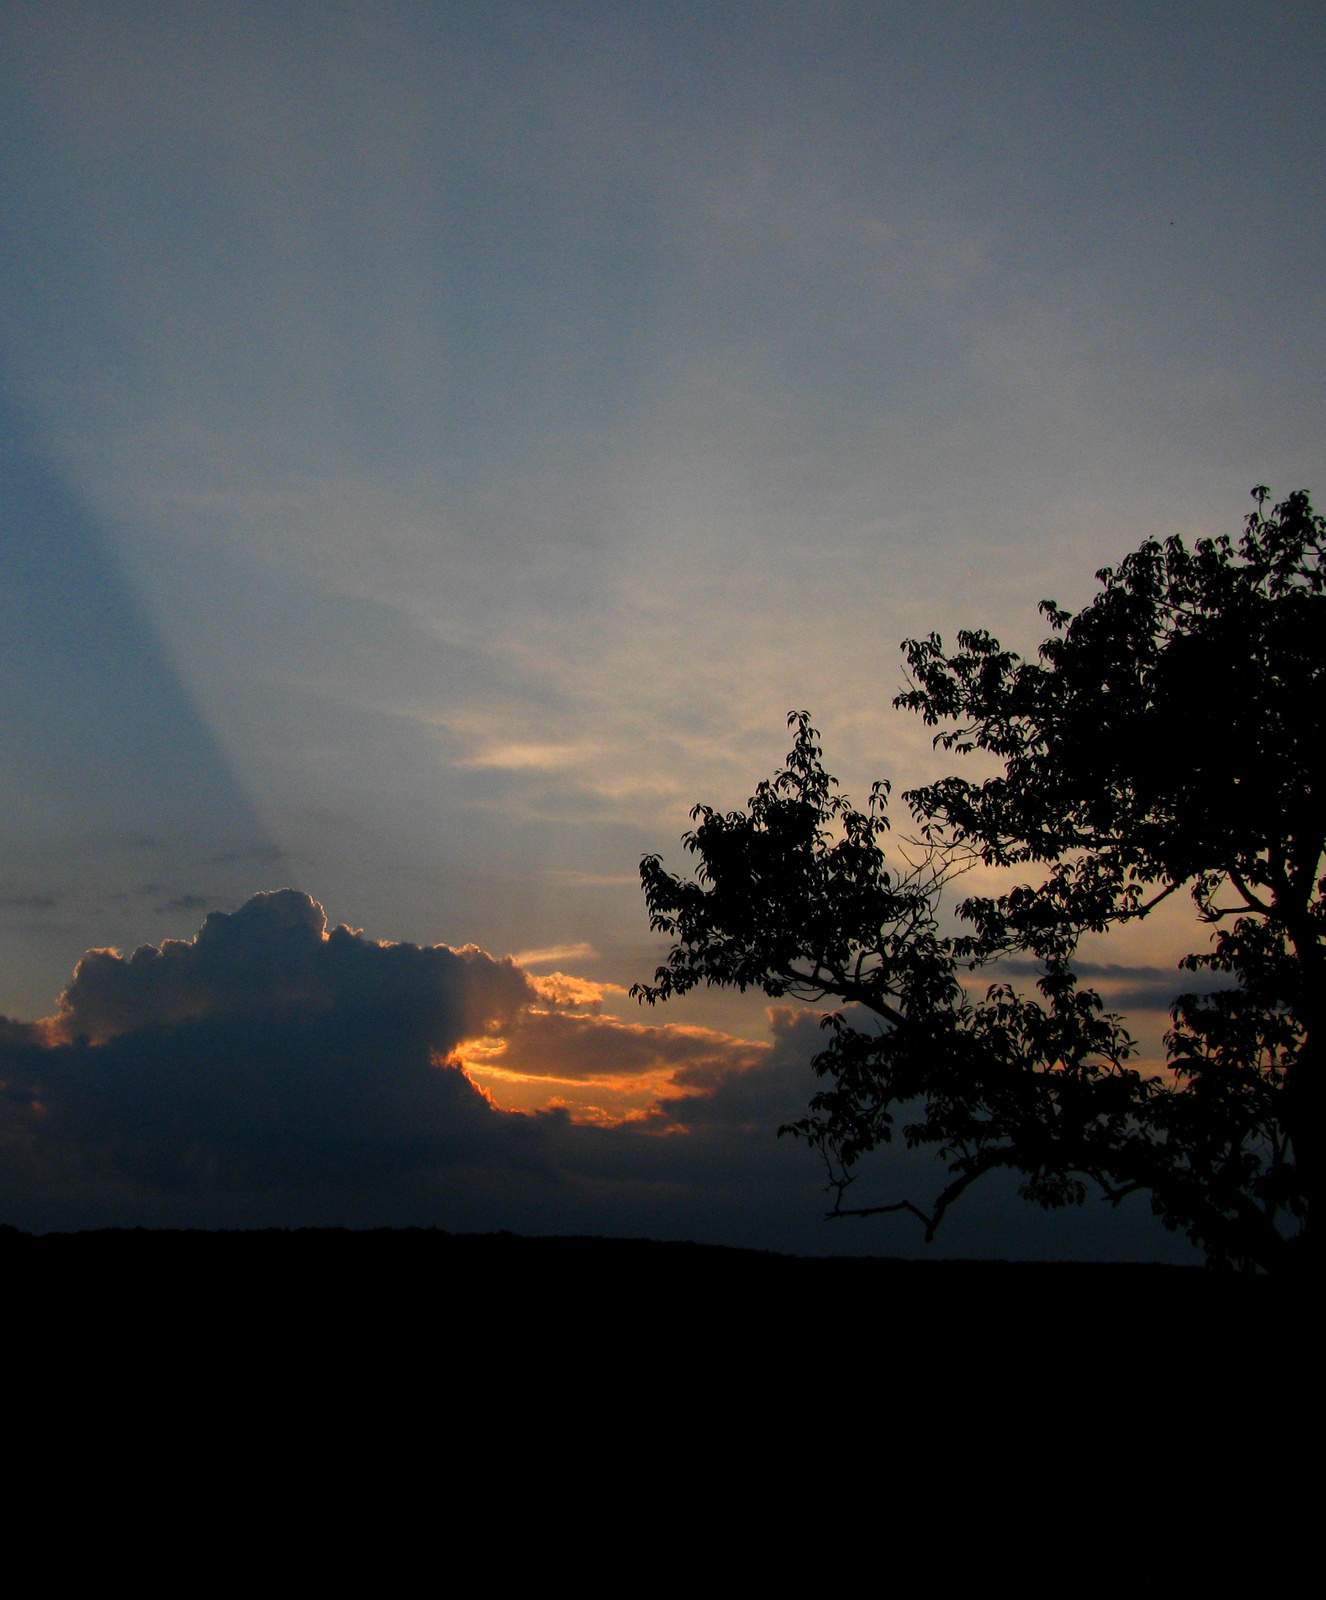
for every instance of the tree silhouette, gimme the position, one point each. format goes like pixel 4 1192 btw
pixel 1170 738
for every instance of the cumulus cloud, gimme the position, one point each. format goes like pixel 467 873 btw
pixel 270 1071
pixel 274 957
pixel 271 1054
pixel 265 1051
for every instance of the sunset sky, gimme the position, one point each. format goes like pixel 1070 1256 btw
pixel 442 442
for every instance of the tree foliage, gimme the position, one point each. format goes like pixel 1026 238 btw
pixel 1168 739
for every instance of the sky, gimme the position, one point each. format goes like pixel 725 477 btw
pixel 440 443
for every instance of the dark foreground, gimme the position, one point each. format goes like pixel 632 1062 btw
pixel 482 1348
pixel 403 1283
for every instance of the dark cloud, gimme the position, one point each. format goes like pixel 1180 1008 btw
pixel 773 1087
pixel 185 902
pixel 272 1072
pixel 264 1051
pixel 1126 988
pixel 307 1074
pixel 274 959
pixel 1161 996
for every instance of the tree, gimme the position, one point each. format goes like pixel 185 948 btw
pixel 1170 738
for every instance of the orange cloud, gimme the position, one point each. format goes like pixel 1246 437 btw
pixel 603 1069
pixel 580 951
pixel 577 1048
pixel 561 990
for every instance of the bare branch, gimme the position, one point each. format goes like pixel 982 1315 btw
pixel 879 1211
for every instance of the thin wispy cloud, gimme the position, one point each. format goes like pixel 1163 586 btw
pixel 582 951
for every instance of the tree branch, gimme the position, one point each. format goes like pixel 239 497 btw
pixel 878 1211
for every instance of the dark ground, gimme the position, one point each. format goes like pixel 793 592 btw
pixel 500 1359
pixel 397 1285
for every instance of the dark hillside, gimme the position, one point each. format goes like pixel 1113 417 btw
pixel 532 1289
pixel 275 1347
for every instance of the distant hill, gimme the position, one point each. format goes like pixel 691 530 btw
pixel 630 1350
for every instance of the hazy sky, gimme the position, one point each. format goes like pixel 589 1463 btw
pixel 443 441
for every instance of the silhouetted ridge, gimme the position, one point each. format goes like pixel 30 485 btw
pixel 417 1263
pixel 483 1348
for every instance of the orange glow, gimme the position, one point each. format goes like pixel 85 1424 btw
pixel 600 1069
pixel 603 1101
pixel 561 989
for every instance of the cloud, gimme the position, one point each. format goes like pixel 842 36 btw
pixel 265 1050
pixel 274 957
pixel 270 1055
pixel 184 902
pixel 517 757
pixel 771 1086
pixel 271 1071
pixel 576 1047
pixel 583 951
pixel 561 989
pixel 1130 988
